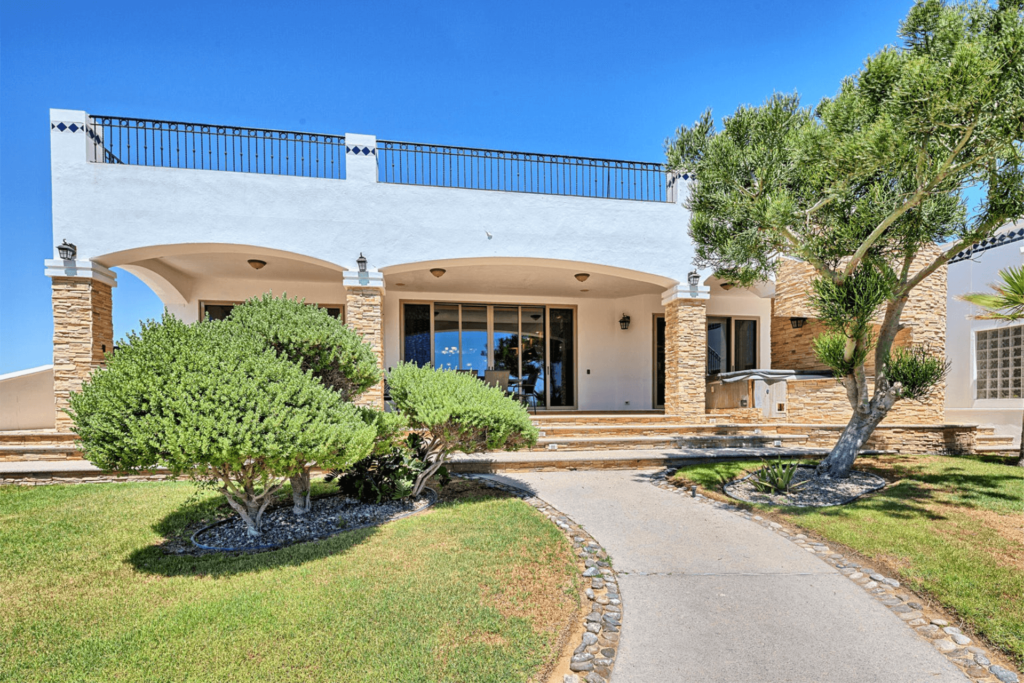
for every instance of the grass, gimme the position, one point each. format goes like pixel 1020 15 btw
pixel 949 527
pixel 478 589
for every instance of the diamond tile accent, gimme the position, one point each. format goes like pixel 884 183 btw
pixel 66 127
pixel 367 151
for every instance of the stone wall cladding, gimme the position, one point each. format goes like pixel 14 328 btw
pixel 364 313
pixel 83 331
pixel 923 323
pixel 685 359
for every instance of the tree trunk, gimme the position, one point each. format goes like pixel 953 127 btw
pixel 1020 456
pixel 840 461
pixel 300 493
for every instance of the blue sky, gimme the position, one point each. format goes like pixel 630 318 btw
pixel 603 79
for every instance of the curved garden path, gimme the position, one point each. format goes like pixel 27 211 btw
pixel 709 596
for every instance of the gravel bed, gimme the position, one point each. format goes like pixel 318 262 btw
pixel 815 493
pixel 330 515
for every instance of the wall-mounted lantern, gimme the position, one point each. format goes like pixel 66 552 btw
pixel 361 263
pixel 437 272
pixel 797 323
pixel 624 322
pixel 694 278
pixel 67 251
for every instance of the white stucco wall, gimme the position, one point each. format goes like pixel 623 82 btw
pixel 26 399
pixel 109 208
pixel 975 275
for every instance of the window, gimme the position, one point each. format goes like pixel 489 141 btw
pixel 998 362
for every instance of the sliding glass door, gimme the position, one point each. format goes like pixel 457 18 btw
pixel 534 344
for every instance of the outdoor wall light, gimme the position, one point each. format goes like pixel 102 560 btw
pixel 694 278
pixel 727 286
pixel 437 272
pixel 67 251
pixel 797 323
pixel 624 322
pixel 256 263
pixel 361 263
pixel 582 277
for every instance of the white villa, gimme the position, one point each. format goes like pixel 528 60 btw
pixel 984 385
pixel 571 278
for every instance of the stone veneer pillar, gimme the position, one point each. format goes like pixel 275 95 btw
pixel 83 327
pixel 364 313
pixel 685 351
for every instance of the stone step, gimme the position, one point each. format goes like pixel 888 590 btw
pixel 604 443
pixel 994 440
pixel 740 440
pixel 621 459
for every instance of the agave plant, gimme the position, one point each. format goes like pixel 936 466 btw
pixel 777 477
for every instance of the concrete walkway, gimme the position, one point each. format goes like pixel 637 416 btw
pixel 708 596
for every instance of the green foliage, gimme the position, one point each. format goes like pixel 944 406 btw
pixel 915 371
pixel 777 477
pixel 386 476
pixel 831 348
pixel 309 336
pixel 1007 300
pixel 454 411
pixel 210 401
pixel 866 184
pixel 459 409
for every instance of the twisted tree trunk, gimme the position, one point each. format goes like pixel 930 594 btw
pixel 300 493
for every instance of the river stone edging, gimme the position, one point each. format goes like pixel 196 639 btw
pixel 593 659
pixel 974 661
pixel 827 493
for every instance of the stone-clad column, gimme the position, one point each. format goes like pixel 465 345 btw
pixel 83 327
pixel 364 313
pixel 685 352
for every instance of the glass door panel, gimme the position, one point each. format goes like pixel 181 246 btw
pixel 533 356
pixel 416 333
pixel 562 348
pixel 446 336
pixel 659 361
pixel 505 343
pixel 474 339
pixel 746 344
pixel 718 345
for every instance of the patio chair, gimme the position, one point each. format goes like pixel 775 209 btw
pixel 497 378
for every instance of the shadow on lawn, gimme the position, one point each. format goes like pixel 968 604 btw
pixel 177 527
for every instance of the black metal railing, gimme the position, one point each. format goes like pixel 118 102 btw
pixel 488 169
pixel 714 362
pixel 173 144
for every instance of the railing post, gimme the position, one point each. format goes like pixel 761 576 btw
pixel 361 157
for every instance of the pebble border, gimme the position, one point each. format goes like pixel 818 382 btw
pixel 432 499
pixel 949 640
pixel 593 659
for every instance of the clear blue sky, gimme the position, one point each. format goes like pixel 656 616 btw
pixel 604 79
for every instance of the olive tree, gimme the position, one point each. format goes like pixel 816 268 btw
pixel 318 343
pixel 870 188
pixel 218 406
pixel 453 411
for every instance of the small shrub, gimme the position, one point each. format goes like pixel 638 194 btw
pixel 454 411
pixel 777 477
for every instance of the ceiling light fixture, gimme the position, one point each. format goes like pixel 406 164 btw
pixel 437 272
pixel 582 277
pixel 256 263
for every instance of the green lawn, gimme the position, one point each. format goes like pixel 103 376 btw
pixel 950 527
pixel 475 590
